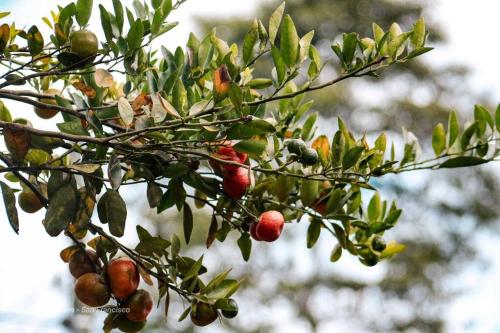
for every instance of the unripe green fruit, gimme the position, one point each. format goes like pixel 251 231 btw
pixel 84 43
pixel 309 157
pixel 29 202
pixel 230 309
pixel 296 146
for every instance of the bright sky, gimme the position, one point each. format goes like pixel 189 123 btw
pixel 472 27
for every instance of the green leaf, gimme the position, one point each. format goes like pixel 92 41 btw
pixel 113 210
pixel 396 45
pixel 37 157
pixel 83 11
pixel 61 209
pixel 305 45
pixel 349 47
pixel 313 233
pixel 279 63
pixel 4 14
pixel 154 194
pixel 393 217
pixel 439 139
pixel 194 270
pixel 9 201
pixel 468 134
pixel 462 161
pixel 106 23
pixel 497 118
pixel 336 254
pixel 378 32
pixel 351 157
pixel 135 35
pixel 418 52
pixel 307 129
pixel 187 222
pixel 236 96
pixel 333 203
pixel 225 289
pixel 275 21
pixel 289 45
pixel 118 7
pixel 418 34
pixel 249 129
pixel 309 192
pixel 72 127
pixel 254 147
pixel 166 8
pixel 453 128
pixel 249 42
pixel 5 113
pixel 245 245
pixel 260 83
pixel 374 208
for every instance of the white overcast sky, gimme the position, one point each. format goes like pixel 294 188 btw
pixel 473 29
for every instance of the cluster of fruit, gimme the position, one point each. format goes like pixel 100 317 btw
pixel 236 181
pixel 95 285
pixel 306 156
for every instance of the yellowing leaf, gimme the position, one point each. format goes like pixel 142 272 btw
pixel 126 111
pixel 103 78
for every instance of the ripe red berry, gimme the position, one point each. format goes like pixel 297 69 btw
pixel 235 184
pixel 270 225
pixel 227 153
pixel 253 232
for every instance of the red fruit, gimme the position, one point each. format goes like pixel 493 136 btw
pixel 235 184
pixel 270 225
pixel 123 277
pixel 227 153
pixel 253 232
pixel 139 306
pixel 91 290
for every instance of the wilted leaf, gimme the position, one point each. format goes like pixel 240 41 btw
pixel 61 210
pixel 115 172
pixel 126 111
pixel 113 210
pixel 9 201
pixel 103 78
pixel 68 252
